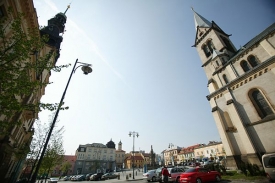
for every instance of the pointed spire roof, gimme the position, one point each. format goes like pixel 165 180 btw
pixel 200 20
pixel 216 53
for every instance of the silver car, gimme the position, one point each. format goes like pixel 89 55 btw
pixel 150 175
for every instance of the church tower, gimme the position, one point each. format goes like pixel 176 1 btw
pixel 241 94
pixel 55 30
pixel 120 146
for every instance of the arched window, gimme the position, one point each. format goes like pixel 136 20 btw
pixel 225 78
pixel 206 50
pixel 245 66
pixel 210 46
pixel 260 103
pixel 252 60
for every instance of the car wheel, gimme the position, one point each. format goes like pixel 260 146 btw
pixel 154 179
pixel 148 180
pixel 198 181
pixel 218 178
pixel 177 180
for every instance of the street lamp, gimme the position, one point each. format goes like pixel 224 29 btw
pixel 134 135
pixel 86 70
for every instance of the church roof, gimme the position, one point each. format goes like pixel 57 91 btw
pixel 201 21
pixel 111 144
pixel 252 42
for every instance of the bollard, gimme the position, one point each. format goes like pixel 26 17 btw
pixel 127 177
pixel 136 172
pixel 118 176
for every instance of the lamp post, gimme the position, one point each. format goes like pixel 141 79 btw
pixel 134 135
pixel 86 70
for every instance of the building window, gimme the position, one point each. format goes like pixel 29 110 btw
pixel 245 66
pixel 260 103
pixel 225 78
pixel 206 50
pixel 252 60
pixel 210 46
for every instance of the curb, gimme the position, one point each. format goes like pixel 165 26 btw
pixel 134 179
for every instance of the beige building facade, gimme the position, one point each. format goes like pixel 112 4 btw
pixel 170 156
pixel 242 93
pixel 19 136
pixel 120 156
pixel 95 157
pixel 213 150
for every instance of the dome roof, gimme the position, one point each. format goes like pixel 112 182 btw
pixel 111 144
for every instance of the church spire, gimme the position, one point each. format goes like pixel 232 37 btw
pixel 200 20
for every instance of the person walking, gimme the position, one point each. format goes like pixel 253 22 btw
pixel 165 174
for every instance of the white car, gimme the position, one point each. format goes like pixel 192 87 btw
pixel 150 175
pixel 53 180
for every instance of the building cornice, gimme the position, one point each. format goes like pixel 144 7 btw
pixel 248 74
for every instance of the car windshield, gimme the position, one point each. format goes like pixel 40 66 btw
pixel 151 171
pixel 190 170
pixel 269 161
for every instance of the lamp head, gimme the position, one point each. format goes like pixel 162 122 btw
pixel 86 69
pixel 130 134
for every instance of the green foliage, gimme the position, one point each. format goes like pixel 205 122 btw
pixel 65 167
pixel 21 66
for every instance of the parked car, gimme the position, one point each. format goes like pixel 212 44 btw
pixel 88 176
pixel 158 174
pixel 199 175
pixel 151 175
pixel 207 162
pixel 53 180
pixel 66 178
pixel 96 176
pixel 269 166
pixel 80 178
pixel 174 174
pixel 107 176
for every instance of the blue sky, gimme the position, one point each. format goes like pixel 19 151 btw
pixel 146 76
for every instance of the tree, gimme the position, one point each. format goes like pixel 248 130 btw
pixel 65 168
pixel 54 153
pixel 21 66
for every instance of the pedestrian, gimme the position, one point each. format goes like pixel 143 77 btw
pixel 165 174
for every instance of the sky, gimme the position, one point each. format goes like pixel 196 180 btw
pixel 147 77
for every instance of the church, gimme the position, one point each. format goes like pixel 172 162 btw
pixel 241 90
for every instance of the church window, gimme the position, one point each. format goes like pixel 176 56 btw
pixel 225 78
pixel 227 44
pixel 245 66
pixel 217 62
pixel 252 60
pixel 210 46
pixel 206 50
pixel 260 103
